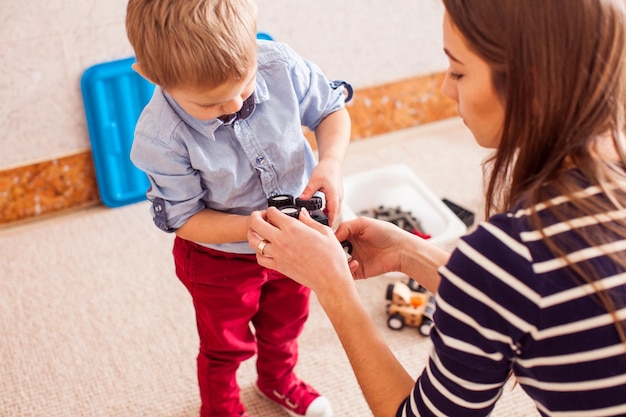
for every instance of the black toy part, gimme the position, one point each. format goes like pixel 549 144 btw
pixel 315 203
pixel 466 216
pixel 286 204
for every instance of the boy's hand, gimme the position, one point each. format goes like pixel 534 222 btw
pixel 327 178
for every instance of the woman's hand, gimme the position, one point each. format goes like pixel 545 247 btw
pixel 379 247
pixel 305 250
pixel 375 246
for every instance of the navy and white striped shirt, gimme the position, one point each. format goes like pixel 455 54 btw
pixel 507 305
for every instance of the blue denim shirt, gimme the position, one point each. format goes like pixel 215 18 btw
pixel 235 166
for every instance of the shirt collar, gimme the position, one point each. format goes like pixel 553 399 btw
pixel 207 127
pixel 246 111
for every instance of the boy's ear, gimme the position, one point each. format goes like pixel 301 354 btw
pixel 139 70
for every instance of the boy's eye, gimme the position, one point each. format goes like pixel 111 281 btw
pixel 208 106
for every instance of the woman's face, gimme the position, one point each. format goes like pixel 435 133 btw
pixel 468 82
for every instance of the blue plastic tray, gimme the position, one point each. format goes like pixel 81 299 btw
pixel 114 96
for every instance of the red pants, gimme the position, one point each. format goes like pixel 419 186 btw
pixel 230 292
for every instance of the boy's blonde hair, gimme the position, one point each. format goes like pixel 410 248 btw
pixel 193 43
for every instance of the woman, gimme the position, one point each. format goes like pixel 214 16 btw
pixel 537 291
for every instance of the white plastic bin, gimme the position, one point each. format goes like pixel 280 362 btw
pixel 398 186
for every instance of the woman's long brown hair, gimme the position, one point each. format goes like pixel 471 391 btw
pixel 559 67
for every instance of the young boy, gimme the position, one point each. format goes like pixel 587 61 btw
pixel 221 135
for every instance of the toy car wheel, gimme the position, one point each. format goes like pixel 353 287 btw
pixel 389 294
pixel 395 322
pixel 280 200
pixel 291 211
pixel 426 327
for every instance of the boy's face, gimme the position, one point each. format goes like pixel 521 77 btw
pixel 212 103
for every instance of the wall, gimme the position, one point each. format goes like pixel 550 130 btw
pixel 370 42
pixel 391 51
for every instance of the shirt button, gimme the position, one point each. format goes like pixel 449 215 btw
pixel 158 208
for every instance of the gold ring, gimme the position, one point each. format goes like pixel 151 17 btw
pixel 261 246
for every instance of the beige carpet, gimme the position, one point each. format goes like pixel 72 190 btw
pixel 93 321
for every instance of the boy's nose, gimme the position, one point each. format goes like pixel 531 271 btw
pixel 232 106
